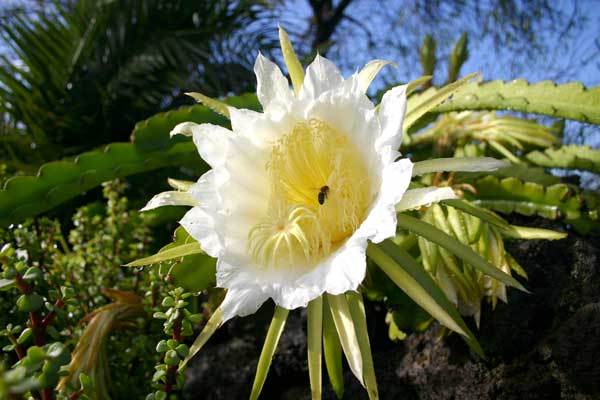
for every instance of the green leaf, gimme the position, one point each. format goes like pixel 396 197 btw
pixel 528 198
pixel 30 302
pixel 332 349
pixel 25 335
pixel 460 250
pixel 420 287
pixel 169 254
pixel 315 336
pixel 573 156
pixel 193 272
pixel 6 284
pixel 268 350
pixel 570 100
pixel 59 181
pixel 357 310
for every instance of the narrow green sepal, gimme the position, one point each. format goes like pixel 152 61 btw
pixel 315 348
pixel 405 272
pixel 460 250
pixel 332 350
pixel 268 350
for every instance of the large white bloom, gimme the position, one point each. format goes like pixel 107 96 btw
pixel 297 191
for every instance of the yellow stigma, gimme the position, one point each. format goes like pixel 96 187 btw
pixel 320 192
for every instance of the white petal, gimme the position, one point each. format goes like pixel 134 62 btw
pixel 201 226
pixel 369 72
pixel 466 164
pixel 321 76
pixel 232 198
pixel 184 128
pixel 170 198
pixel 212 142
pixel 416 198
pixel 380 224
pixel 272 88
pixel 261 129
pixel 391 115
pixel 342 271
pixel 241 302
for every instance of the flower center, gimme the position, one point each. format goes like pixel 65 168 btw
pixel 320 192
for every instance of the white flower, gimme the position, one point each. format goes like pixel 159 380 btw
pixel 296 192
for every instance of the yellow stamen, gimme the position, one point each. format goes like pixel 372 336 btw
pixel 298 229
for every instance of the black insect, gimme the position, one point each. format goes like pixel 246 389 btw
pixel 323 194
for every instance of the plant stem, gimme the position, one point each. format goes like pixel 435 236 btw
pixel 172 371
pixel 18 349
pixel 47 394
pixel 52 314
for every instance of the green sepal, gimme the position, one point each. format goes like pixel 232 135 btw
pixel 314 331
pixel 171 253
pixel 347 334
pixel 268 350
pixel 480 213
pixel 460 250
pixel 359 318
pixel 420 287
pixel 332 350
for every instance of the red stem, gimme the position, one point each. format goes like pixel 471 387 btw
pixel 172 371
pixel 47 394
pixel 39 331
pixel 22 285
pixel 18 349
pixel 52 314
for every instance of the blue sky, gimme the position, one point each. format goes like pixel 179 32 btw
pixel 562 60
pixel 492 61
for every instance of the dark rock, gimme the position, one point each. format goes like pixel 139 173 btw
pixel 577 347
